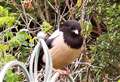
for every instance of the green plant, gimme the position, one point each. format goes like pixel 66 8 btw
pixel 105 52
pixel 6 18
pixel 12 77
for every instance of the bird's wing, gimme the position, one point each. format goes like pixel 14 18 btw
pixel 55 34
pixel 49 44
pixel 52 37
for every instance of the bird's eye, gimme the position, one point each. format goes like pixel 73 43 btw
pixel 72 28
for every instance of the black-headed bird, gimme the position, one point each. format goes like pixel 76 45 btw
pixel 64 45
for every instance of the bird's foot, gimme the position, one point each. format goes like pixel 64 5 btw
pixel 65 71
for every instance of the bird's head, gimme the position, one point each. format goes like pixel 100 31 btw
pixel 72 33
pixel 71 27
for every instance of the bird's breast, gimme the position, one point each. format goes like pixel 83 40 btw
pixel 62 54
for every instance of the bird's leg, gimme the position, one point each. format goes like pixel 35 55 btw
pixel 64 71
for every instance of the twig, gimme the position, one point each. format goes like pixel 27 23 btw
pixel 52 6
pixel 46 10
pixel 57 11
pixel 24 12
pixel 77 72
pixel 83 9
pixel 8 29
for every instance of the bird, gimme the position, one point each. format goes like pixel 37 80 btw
pixel 64 45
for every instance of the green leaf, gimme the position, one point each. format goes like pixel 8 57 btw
pixel 12 77
pixel 3 11
pixel 46 26
pixel 5 59
pixel 8 35
pixel 19 39
pixel 79 3
pixel 3 47
pixel 87 28
pixel 7 20
pixel 14 42
pixel 119 80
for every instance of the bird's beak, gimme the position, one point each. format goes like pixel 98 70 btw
pixel 76 32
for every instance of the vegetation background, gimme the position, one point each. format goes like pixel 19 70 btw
pixel 100 22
